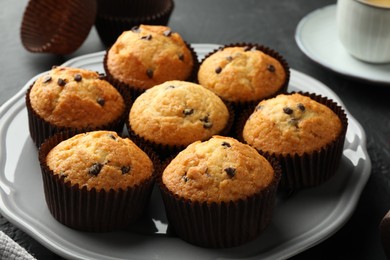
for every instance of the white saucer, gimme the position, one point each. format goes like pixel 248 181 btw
pixel 316 36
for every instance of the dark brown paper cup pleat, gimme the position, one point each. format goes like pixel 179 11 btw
pixel 58 28
pixel 239 106
pixel 91 210
pixel 309 169
pixel 224 224
pixel 40 129
pixel 136 90
pixel 312 169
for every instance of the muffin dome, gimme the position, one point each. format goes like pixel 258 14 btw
pixel 75 98
pixel 242 74
pixel 221 169
pixel 178 113
pixel 149 55
pixel 291 124
pixel 100 160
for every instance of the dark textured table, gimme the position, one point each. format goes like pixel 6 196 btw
pixel 271 23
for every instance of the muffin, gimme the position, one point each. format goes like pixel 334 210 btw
pixel 95 181
pixel 219 193
pixel 149 55
pixel 59 28
pixel 305 131
pixel 74 98
pixel 175 113
pixel 115 16
pixel 244 73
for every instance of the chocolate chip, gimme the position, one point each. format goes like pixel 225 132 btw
pixel 205 119
pixel 230 171
pixel 185 178
pixel 125 169
pixel 112 136
pixel 259 107
pixel 77 77
pixel 226 145
pixel 181 57
pixel 271 68
pixel 61 82
pixel 229 58
pixel 294 122
pixel 136 29
pixel 287 110
pixel 100 101
pixel 167 33
pixel 147 37
pixel 95 169
pixel 188 111
pixel 247 48
pixel 207 125
pixel 101 75
pixel 170 86
pixel 47 79
pixel 218 70
pixel 301 107
pixel 207 172
pixel 149 72
pixel 54 67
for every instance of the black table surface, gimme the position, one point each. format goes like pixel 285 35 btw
pixel 272 23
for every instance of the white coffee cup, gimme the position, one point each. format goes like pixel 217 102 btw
pixel 364 29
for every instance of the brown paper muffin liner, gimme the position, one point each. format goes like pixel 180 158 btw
pixel 92 210
pixel 239 106
pixel 58 28
pixel 165 151
pixel 114 17
pixel 40 129
pixel 309 169
pixel 135 90
pixel 222 224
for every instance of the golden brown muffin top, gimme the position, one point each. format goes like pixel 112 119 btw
pixel 73 97
pixel 178 113
pixel 241 74
pixel 100 160
pixel 149 55
pixel 291 124
pixel 220 169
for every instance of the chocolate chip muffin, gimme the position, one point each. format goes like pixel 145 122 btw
pixel 299 125
pixel 177 113
pixel 74 98
pixel 220 192
pixel 149 55
pixel 83 170
pixel 244 73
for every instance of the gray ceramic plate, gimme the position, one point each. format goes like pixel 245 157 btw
pixel 300 221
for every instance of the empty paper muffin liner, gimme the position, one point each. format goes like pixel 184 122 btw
pixel 40 129
pixel 221 224
pixel 115 17
pixel 135 90
pixel 59 27
pixel 242 105
pixel 165 151
pixel 92 210
pixel 309 169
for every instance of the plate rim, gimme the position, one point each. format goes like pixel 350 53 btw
pixel 17 221
pixel 314 57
